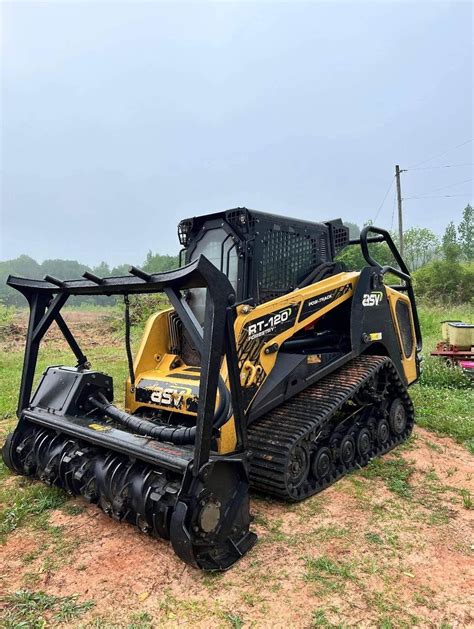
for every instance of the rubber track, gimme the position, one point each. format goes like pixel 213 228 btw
pixel 299 421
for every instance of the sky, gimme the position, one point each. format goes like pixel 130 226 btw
pixel 120 119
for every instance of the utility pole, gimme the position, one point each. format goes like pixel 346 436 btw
pixel 399 200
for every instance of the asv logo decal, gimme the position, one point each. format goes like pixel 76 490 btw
pixel 268 324
pixel 167 397
pixel 372 299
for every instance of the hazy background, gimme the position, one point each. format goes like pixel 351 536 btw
pixel 119 119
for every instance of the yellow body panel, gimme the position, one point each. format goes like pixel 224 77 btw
pixel 174 386
pixel 408 362
pixel 295 298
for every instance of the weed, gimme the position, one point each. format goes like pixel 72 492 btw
pixel 31 579
pixel 72 509
pixel 211 579
pixel 431 475
pixel 235 621
pixel 140 620
pixel 439 516
pixel 275 534
pixel 26 608
pixel 382 603
pixel 333 531
pixel 251 599
pixel 261 520
pixel 313 506
pixel 466 498
pixel 433 446
pixel 320 620
pixel 420 598
pixel 328 574
pixel 357 488
pixel 374 538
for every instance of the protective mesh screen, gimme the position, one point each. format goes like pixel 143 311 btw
pixel 239 218
pixel 341 237
pixel 287 258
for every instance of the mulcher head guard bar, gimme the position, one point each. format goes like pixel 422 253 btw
pixel 186 493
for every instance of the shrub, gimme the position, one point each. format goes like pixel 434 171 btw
pixel 143 306
pixel 6 315
pixel 443 281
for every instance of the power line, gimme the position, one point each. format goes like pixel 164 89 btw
pixel 451 185
pixel 393 210
pixel 443 166
pixel 441 154
pixel 383 201
pixel 440 196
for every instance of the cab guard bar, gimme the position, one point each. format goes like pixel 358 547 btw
pixel 402 272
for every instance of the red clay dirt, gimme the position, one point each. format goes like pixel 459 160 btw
pixel 91 328
pixel 407 561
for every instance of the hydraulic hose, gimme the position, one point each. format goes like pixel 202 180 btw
pixel 179 435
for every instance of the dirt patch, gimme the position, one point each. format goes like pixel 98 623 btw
pixel 359 554
pixel 91 329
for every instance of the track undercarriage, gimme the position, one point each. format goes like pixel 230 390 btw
pixel 329 429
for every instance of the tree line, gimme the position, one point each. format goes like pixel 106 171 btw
pixel 25 266
pixel 442 267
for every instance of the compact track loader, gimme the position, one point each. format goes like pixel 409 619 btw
pixel 273 369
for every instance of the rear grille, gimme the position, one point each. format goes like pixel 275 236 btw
pixel 175 329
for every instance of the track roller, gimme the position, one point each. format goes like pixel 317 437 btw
pixel 340 423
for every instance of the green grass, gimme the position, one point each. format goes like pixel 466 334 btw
pixel 394 471
pixel 446 410
pixel 329 575
pixel 466 498
pixel 140 620
pixel 432 315
pixel 444 397
pixel 35 610
pixel 320 620
pixel 374 538
pixel 234 620
pixel 24 501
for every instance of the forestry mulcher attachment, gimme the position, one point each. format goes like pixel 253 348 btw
pixel 273 369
